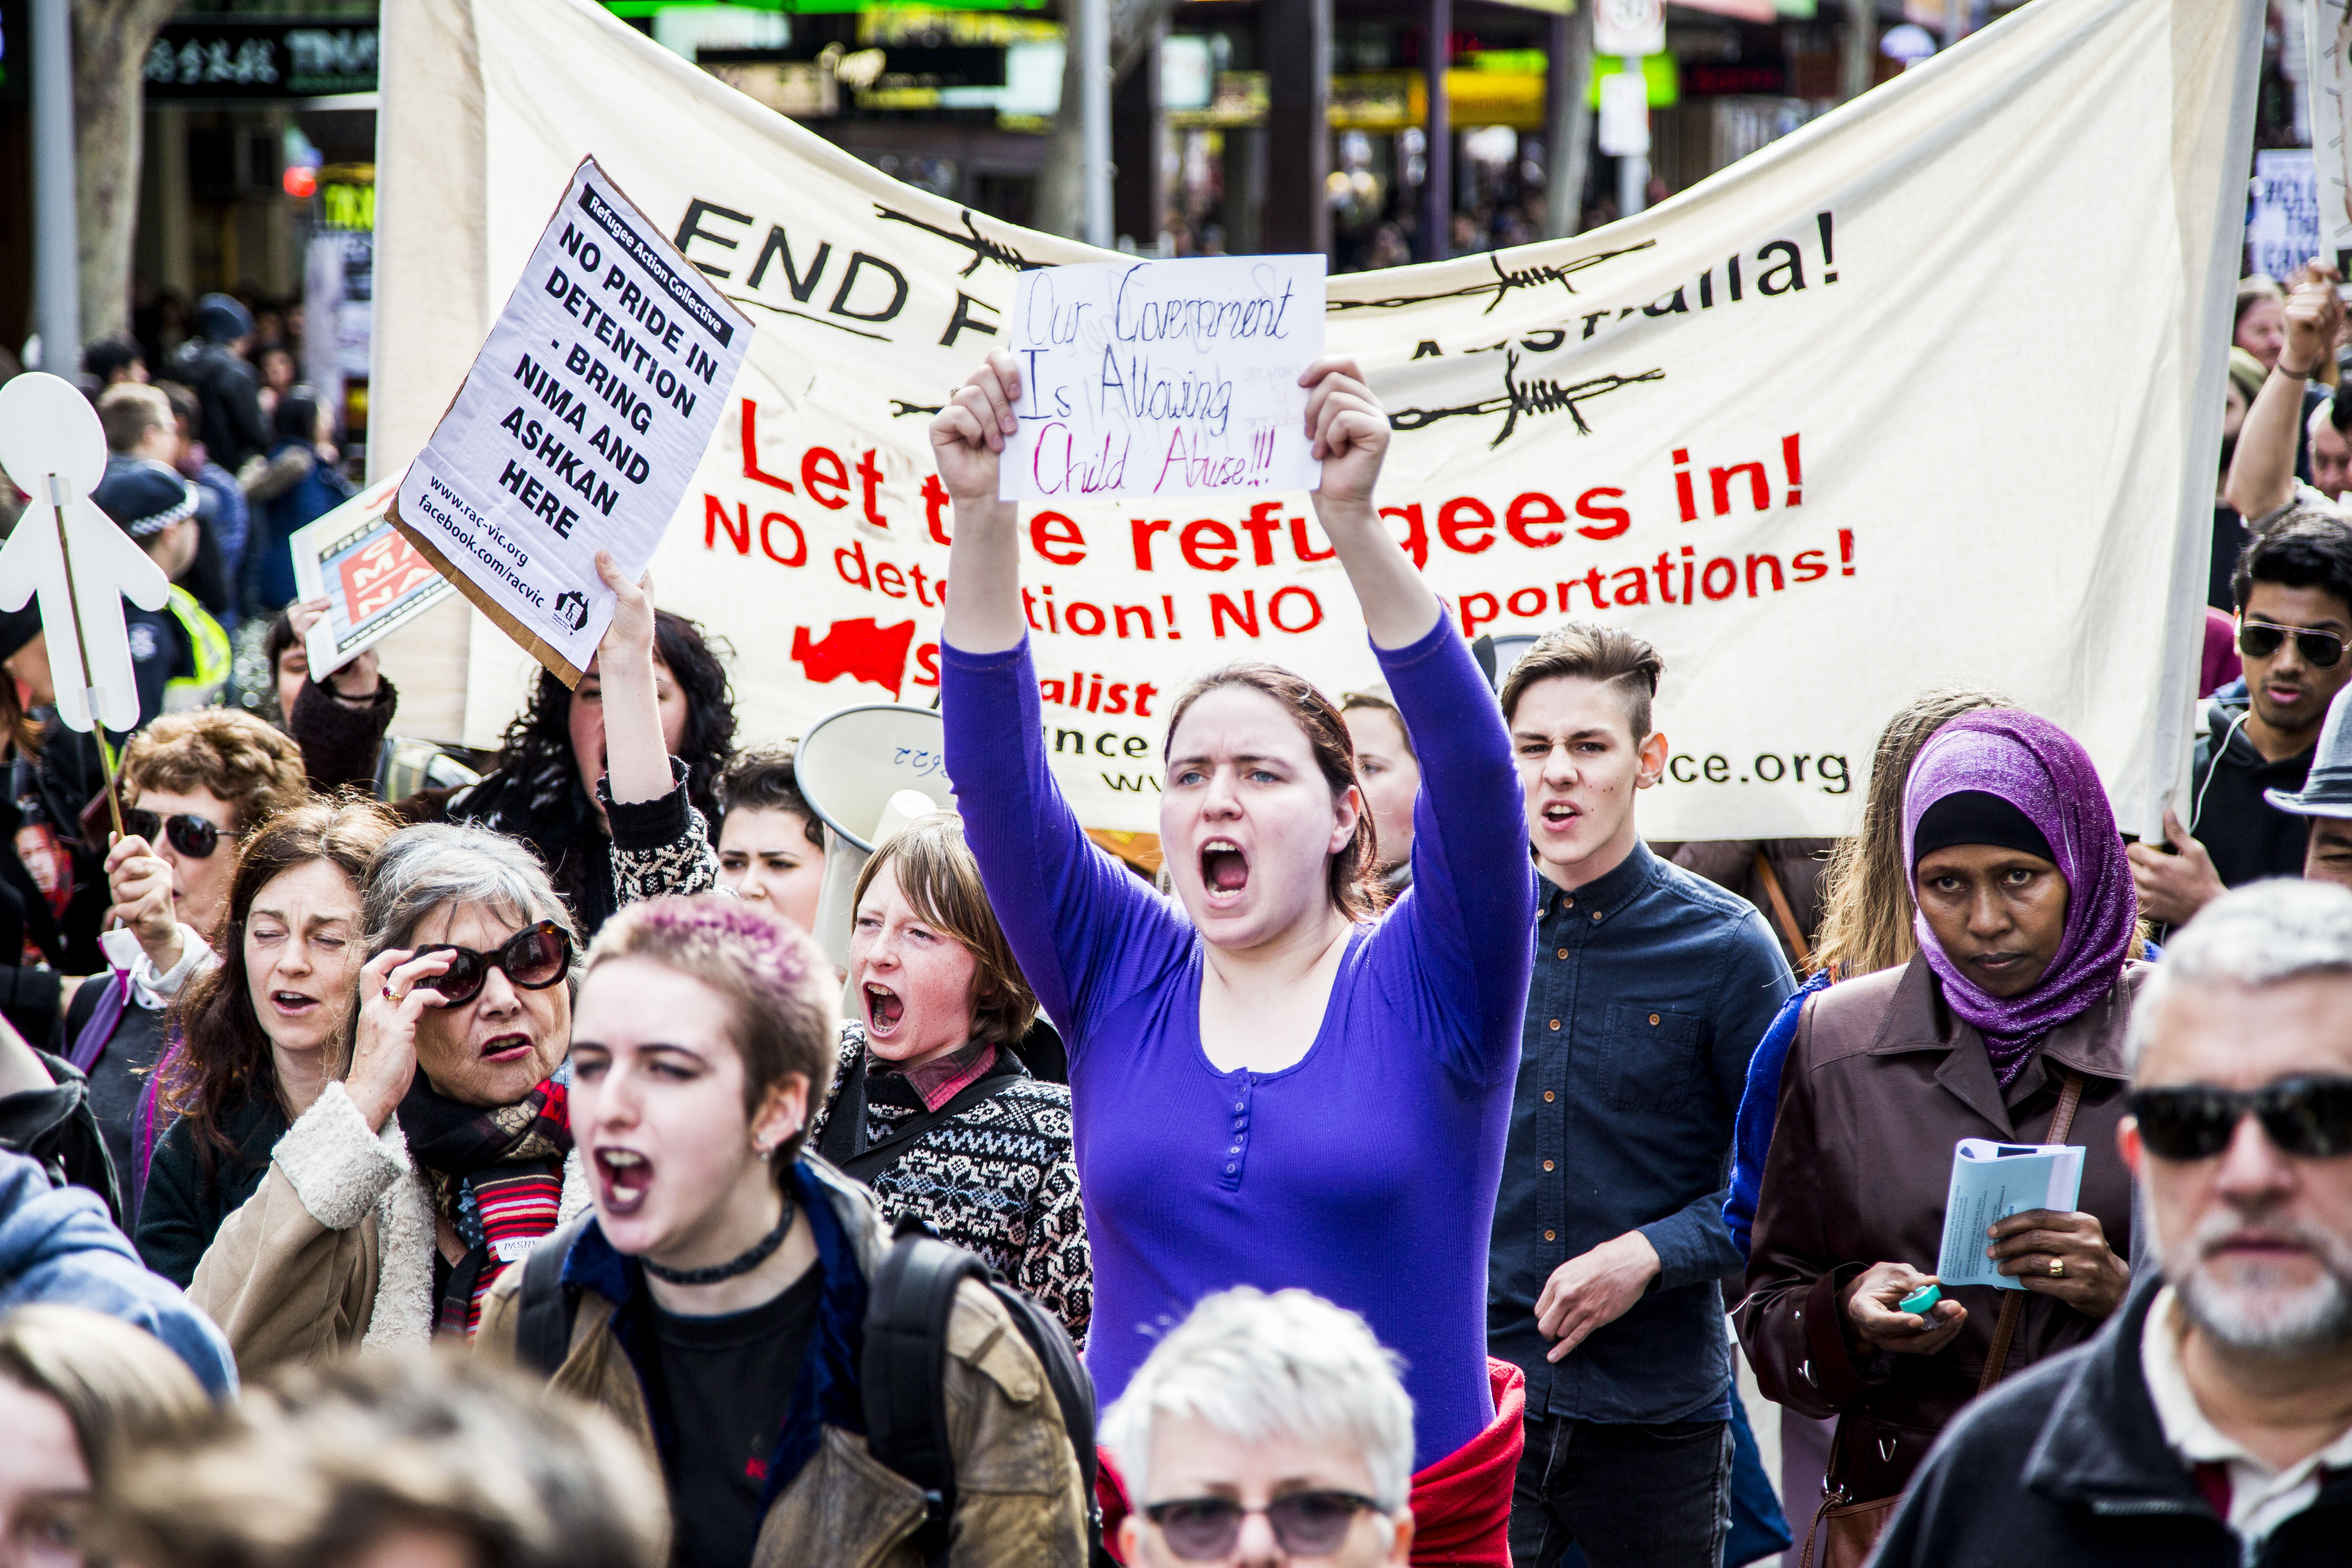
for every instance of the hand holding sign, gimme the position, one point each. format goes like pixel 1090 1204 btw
pixel 1164 378
pixel 1347 429
pixel 70 553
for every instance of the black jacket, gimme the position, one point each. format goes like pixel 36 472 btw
pixel 2247 836
pixel 196 1185
pixel 54 1127
pixel 228 400
pixel 2067 1464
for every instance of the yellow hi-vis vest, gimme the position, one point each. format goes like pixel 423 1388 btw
pixel 210 644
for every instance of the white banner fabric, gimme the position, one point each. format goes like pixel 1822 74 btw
pixel 1927 392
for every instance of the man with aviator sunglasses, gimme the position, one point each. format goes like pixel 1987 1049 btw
pixel 2211 1421
pixel 2294 589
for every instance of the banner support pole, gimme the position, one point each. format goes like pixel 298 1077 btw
pixel 2178 705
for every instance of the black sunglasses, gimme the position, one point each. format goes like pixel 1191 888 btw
pixel 534 958
pixel 2260 639
pixel 1305 1524
pixel 193 835
pixel 2310 1117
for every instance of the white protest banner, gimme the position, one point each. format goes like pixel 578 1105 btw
pixel 1870 411
pixel 2328 34
pixel 2282 231
pixel 579 427
pixel 373 578
pixel 1164 378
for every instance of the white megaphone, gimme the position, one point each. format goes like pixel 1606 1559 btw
pixel 867 772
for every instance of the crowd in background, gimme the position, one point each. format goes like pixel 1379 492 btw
pixel 480 1159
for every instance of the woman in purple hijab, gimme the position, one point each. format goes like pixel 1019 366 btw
pixel 2008 1027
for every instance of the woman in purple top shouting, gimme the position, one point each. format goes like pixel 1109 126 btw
pixel 1272 1087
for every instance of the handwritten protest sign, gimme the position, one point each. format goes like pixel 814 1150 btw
pixel 579 427
pixel 1164 378
pixel 374 580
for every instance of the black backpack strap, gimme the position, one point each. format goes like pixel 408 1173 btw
pixel 547 1307
pixel 905 1362
pixel 1074 1392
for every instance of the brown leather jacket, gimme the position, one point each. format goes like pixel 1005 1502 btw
pixel 1882 1081
pixel 1019 1502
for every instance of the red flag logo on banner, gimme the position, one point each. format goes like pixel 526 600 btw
pixel 857 648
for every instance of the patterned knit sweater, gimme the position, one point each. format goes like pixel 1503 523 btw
pixel 997 1178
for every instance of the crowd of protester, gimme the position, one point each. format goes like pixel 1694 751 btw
pixel 404 1162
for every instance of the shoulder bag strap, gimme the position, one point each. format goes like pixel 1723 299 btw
pixel 873 1162
pixel 2013 1306
pixel 547 1307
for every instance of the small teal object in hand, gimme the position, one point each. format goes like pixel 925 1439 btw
pixel 1921 1299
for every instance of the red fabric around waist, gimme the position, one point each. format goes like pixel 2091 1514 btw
pixel 1461 1505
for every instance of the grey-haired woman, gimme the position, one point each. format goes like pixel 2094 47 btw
pixel 396 1200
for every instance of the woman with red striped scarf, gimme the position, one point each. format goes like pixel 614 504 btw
pixel 445 1155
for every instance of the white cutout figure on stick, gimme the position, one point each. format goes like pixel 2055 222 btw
pixel 71 553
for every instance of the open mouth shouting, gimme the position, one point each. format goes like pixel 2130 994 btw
pixel 885 1011
pixel 1225 871
pixel 293 1004
pixel 1560 816
pixel 626 1176
pixel 507 1048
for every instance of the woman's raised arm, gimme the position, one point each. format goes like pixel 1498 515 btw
pixel 1349 431
pixel 967 439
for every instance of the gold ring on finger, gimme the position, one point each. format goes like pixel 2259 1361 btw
pixel 392 996
pixel 2057 1269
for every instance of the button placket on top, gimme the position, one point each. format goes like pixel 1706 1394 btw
pixel 1560 976
pixel 1236 1154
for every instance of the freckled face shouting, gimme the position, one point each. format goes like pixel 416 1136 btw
pixel 914 980
pixel 1248 821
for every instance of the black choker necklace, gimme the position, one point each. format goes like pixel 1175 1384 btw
pixel 760 1254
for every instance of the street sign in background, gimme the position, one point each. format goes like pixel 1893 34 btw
pixel 1629 26
pixel 2283 221
pixel 293 56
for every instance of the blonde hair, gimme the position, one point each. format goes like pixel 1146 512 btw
pixel 324 1463
pixel 1254 1366
pixel 936 870
pixel 118 1384
pixel 1866 899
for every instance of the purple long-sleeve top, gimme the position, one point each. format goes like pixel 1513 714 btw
pixel 1366 1172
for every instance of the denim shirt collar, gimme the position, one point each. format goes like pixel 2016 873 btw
pixel 1605 895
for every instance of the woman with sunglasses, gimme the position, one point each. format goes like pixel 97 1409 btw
pixel 444 1154
pixel 194 782
pixel 263 1032
pixel 2009 1026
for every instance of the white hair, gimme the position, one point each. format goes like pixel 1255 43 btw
pixel 2264 933
pixel 1255 1366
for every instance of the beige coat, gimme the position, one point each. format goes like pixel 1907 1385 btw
pixel 1019 1502
pixel 334 1249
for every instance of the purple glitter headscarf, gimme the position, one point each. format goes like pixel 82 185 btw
pixel 2039 768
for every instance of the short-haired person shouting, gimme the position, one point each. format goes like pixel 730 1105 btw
pixel 2209 1422
pixel 721 1284
pixel 1271 1086
pixel 1652 988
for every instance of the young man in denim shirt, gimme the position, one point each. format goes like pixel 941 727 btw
pixel 1650 989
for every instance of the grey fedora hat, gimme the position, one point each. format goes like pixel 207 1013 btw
pixel 2328 789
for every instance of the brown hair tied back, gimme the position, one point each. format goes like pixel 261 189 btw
pixel 1352 872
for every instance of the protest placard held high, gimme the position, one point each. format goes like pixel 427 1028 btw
pixel 579 427
pixel 1164 378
